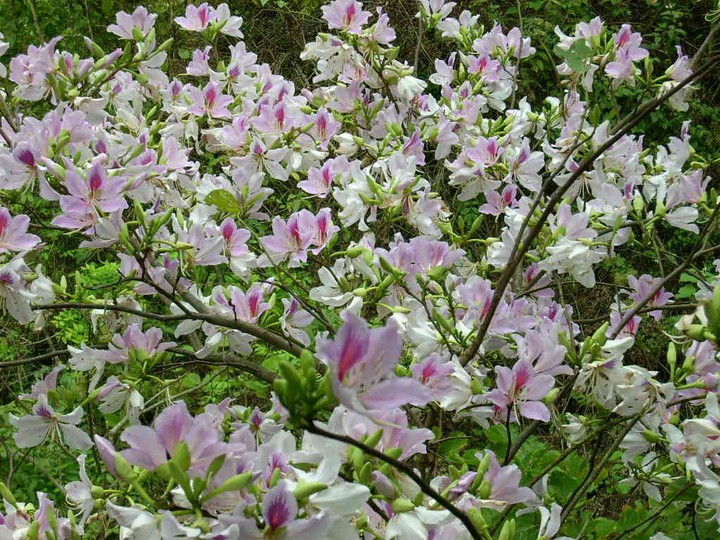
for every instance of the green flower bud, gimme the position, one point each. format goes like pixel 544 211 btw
pixel 402 505
pixel 305 489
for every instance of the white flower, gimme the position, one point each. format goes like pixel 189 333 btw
pixel 409 87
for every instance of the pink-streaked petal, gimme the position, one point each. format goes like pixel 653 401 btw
pixel 534 410
pixel 279 507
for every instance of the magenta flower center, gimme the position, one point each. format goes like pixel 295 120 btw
pixel 278 514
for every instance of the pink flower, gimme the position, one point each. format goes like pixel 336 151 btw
pixel 642 288
pixel 435 375
pixel 45 385
pixel 150 447
pixel 279 512
pixel 135 343
pixel 210 101
pixel 346 15
pixel 127 24
pixel 502 485
pixel 324 230
pixel 244 306
pixel 628 50
pixel 497 202
pixel 292 238
pixel 522 389
pixel 324 128
pixel 34 429
pixel 86 196
pixel 197 18
pixel 198 66
pixel 13 232
pixel 361 362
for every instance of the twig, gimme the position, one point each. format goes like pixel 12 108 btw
pixel 523 246
pixel 32 360
pixel 242 364
pixel 656 514
pixel 257 331
pixel 695 252
pixel 406 469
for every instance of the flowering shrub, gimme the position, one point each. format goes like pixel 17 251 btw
pixel 393 254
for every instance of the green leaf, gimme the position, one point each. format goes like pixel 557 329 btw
pixel 576 55
pixel 223 200
pixel 191 380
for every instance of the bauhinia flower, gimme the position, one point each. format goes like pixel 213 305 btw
pixel 521 389
pixel 151 446
pixel 361 362
pixel 279 512
pixel 79 494
pixel 346 15
pixel 34 429
pixel 13 233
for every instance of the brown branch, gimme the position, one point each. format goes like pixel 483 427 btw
pixel 523 247
pixel 257 331
pixel 32 360
pixel 230 360
pixel 404 468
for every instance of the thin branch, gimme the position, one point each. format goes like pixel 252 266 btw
pixel 32 360
pixel 240 363
pixel 595 471
pixel 406 469
pixel 705 44
pixel 257 331
pixel 523 246
pixel 656 514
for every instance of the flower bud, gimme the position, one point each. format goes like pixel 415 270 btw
pixel 305 489
pixel 401 505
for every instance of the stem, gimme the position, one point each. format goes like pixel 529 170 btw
pixel 695 252
pixel 257 331
pixel 32 360
pixel 654 516
pixel 522 247
pixel 403 467
pixel 595 471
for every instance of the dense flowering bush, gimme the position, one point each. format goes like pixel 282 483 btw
pixel 392 253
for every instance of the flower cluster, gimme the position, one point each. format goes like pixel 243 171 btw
pixel 390 255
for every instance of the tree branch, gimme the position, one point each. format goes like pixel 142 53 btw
pixel 406 469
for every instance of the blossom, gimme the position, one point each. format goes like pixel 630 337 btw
pixel 500 486
pixel 127 24
pixel 641 289
pixel 150 447
pixel 79 494
pixel 97 192
pixel 361 361
pixel 34 429
pixel 199 18
pixel 627 51
pixel 345 15
pixel 209 101
pixel 292 238
pixel 522 389
pixel 13 232
pixel 279 512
